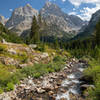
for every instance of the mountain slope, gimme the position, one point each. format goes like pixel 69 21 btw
pixel 90 28
pixel 50 10
pixel 3 20
pixel 21 19
pixel 59 24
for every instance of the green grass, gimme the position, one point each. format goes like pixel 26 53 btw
pixel 92 73
pixel 41 69
pixel 9 75
pixel 10 86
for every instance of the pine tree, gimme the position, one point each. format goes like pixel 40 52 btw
pixel 40 20
pixel 97 33
pixel 56 43
pixel 34 34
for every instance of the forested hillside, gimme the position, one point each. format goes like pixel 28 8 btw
pixel 89 50
pixel 8 35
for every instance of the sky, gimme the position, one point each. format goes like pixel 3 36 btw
pixel 82 8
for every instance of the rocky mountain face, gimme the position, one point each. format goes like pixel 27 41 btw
pixel 54 15
pixel 3 20
pixel 57 21
pixel 21 19
pixel 89 29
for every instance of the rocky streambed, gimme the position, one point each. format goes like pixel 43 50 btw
pixel 63 85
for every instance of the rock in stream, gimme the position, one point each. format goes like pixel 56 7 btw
pixel 63 85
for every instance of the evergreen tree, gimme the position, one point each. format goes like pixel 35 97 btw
pixel 97 33
pixel 40 20
pixel 56 43
pixel 34 34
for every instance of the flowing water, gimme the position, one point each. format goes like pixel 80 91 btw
pixel 72 83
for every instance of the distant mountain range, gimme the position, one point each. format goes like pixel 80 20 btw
pixel 89 29
pixel 58 23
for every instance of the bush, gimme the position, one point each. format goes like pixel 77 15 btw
pixel 57 58
pixel 40 69
pixel 10 86
pixel 2 48
pixel 4 77
pixel 1 90
pixel 16 77
pixel 50 70
pixel 93 73
pixel 37 75
pixel 24 57
pixel 41 47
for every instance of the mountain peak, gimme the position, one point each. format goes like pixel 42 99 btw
pixel 48 4
pixel 50 8
pixel 3 20
pixel 28 5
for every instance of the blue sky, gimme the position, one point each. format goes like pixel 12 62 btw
pixel 82 8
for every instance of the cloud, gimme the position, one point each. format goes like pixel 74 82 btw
pixel 73 13
pixel 63 0
pixel 56 0
pixel 79 2
pixel 86 12
pixel 11 10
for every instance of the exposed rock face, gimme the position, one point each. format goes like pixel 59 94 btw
pixel 94 20
pixel 58 22
pixel 54 15
pixel 3 20
pixel 21 19
pixel 90 28
pixel 77 21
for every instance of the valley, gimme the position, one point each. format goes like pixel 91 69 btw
pixel 48 54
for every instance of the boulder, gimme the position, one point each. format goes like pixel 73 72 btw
pixel 22 65
pixel 4 41
pixel 33 46
pixel 51 93
pixel 85 86
pixel 47 85
pixel 8 61
pixel 44 55
pixel 12 51
pixel 40 90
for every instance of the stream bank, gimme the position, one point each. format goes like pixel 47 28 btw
pixel 63 85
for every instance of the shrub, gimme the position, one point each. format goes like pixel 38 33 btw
pixel 50 70
pixel 93 73
pixel 1 90
pixel 10 86
pixel 40 69
pixel 37 75
pixel 2 48
pixel 41 47
pixel 57 58
pixel 24 57
pixel 28 71
pixel 4 77
pixel 16 77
